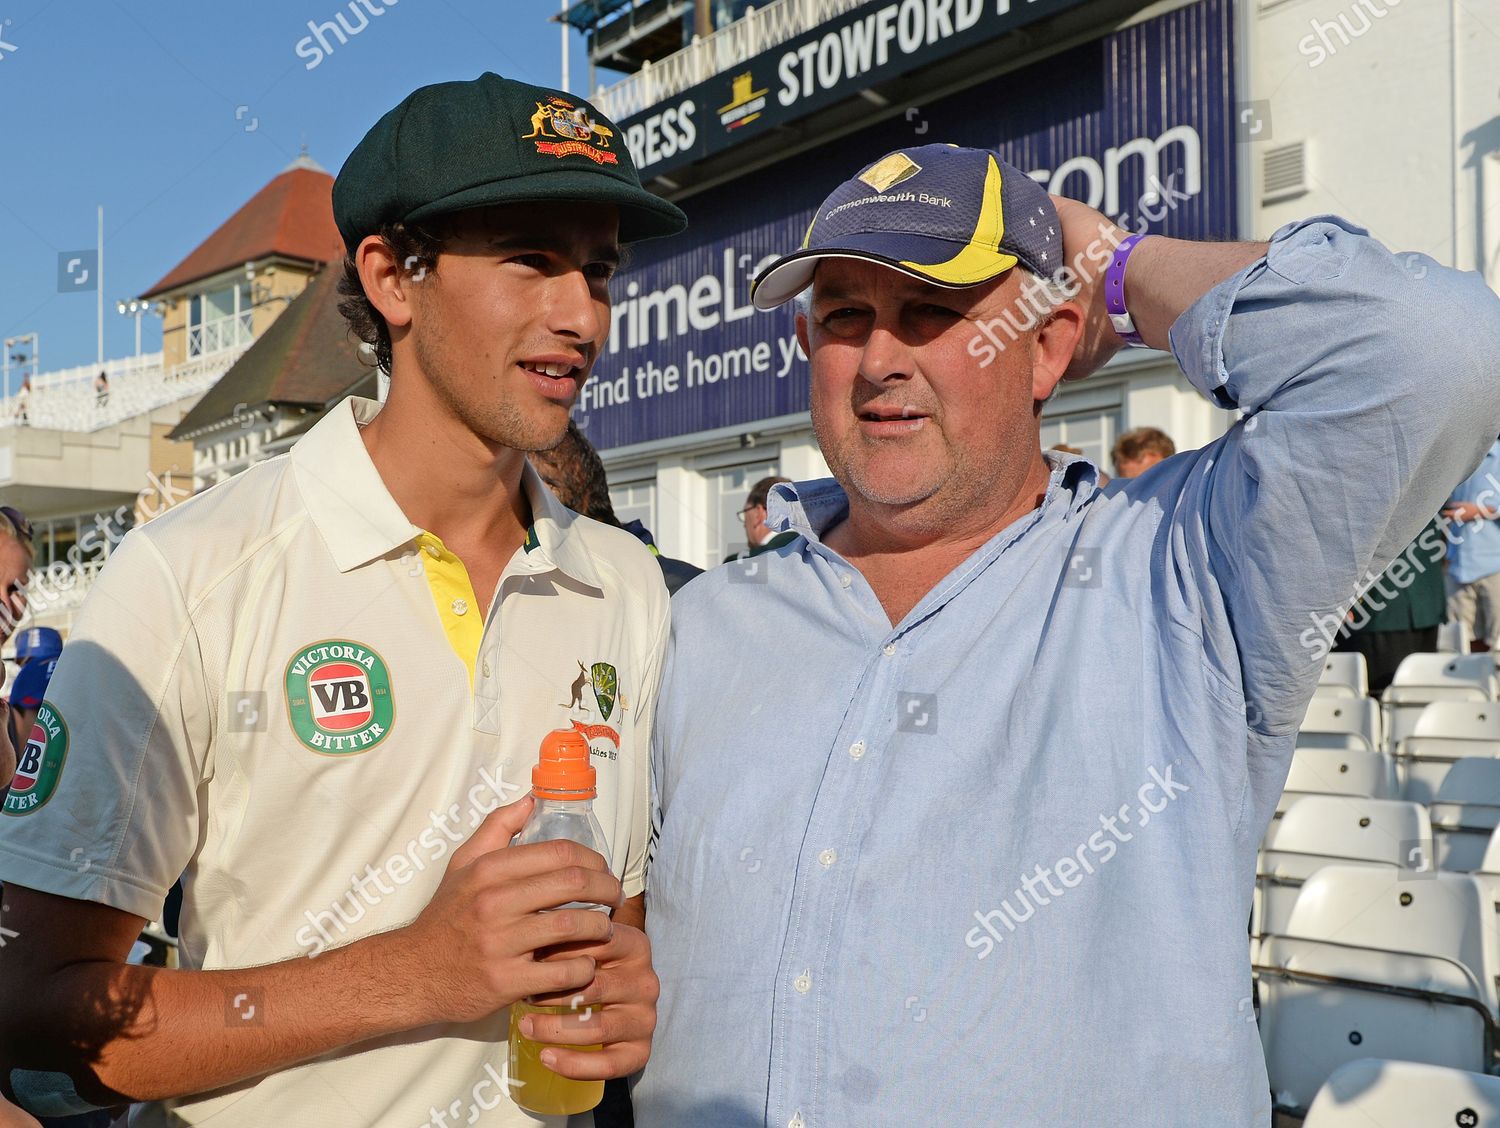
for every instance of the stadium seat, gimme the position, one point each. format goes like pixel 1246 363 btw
pixel 1465 813
pixel 1341 722
pixel 1424 678
pixel 1443 733
pixel 1340 771
pixel 1344 675
pixel 1322 830
pixel 1378 962
pixel 1452 639
pixel 1370 1093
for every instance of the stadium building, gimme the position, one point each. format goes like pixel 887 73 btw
pixel 1204 120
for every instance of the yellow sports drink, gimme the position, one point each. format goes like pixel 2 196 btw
pixel 538 1089
pixel 564 783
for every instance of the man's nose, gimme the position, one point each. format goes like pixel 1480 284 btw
pixel 571 309
pixel 885 357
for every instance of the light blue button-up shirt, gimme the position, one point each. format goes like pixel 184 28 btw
pixel 993 865
pixel 1474 547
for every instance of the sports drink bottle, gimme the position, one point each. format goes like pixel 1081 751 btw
pixel 564 784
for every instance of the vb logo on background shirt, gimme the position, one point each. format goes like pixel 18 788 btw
pixel 338 697
pixel 39 763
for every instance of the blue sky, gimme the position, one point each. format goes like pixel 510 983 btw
pixel 137 107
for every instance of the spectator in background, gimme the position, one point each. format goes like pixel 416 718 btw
pixel 758 536
pixel 1064 448
pixel 26 698
pixel 1137 451
pixel 16 555
pixel 101 390
pixel 1399 613
pixel 1474 555
pixel 23 397
pixel 37 643
pixel 574 471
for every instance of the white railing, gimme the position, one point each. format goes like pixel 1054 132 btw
pixel 73 400
pixel 220 334
pixel 759 29
pixel 62 586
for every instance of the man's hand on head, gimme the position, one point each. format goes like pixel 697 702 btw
pixel 1089 240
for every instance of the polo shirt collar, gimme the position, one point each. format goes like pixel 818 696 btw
pixel 358 518
pixel 552 538
pixel 360 521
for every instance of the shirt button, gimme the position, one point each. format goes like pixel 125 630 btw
pixel 857 749
pixel 460 606
pixel 846 579
pixel 889 649
pixel 795 1121
pixel 828 857
pixel 433 551
pixel 802 984
pixel 484 667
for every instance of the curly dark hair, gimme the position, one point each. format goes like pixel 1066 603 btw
pixel 417 246
pixel 575 473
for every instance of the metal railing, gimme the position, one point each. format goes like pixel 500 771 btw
pixel 73 399
pixel 221 333
pixel 760 29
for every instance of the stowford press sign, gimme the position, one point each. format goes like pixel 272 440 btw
pixel 338 697
pixel 834 61
pixel 687 353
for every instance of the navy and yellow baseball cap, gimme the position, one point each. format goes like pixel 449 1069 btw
pixel 459 145
pixel 945 214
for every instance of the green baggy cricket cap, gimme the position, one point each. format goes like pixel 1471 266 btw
pixel 458 145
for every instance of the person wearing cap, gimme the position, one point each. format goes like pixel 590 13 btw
pixel 26 695
pixel 994 861
pixel 316 692
pixel 16 557
pixel 37 643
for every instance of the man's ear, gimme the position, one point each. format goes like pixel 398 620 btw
pixel 802 334
pixel 384 280
pixel 1053 348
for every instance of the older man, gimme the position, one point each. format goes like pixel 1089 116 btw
pixel 993 862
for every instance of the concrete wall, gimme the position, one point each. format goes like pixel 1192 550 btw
pixel 1398 102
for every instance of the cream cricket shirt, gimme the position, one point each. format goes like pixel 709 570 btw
pixel 283 690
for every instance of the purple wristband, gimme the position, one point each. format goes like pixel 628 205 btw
pixel 1114 292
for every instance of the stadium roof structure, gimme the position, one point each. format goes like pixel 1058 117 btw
pixel 291 217
pixel 307 358
pixel 587 14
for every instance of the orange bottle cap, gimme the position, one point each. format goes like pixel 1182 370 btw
pixel 563 769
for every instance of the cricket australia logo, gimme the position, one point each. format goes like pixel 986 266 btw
pixel 603 682
pixel 338 697
pixel 40 763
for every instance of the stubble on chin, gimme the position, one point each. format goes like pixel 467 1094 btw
pixel 492 409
